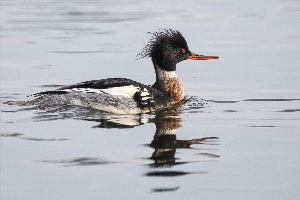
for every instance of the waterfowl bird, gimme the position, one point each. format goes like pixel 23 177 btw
pixel 166 48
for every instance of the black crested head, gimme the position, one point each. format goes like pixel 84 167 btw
pixel 167 47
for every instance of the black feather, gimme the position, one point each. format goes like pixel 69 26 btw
pixel 102 84
pixel 160 38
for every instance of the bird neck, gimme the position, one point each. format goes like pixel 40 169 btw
pixel 162 74
pixel 168 82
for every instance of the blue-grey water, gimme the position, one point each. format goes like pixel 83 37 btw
pixel 241 141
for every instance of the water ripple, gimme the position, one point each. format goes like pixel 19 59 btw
pixel 80 161
pixel 171 173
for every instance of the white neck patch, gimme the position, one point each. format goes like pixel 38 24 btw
pixel 166 132
pixel 163 74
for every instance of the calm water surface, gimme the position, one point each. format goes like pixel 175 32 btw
pixel 241 141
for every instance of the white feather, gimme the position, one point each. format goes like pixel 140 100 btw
pixel 129 90
pixel 145 98
pixel 83 90
pixel 163 74
pixel 145 93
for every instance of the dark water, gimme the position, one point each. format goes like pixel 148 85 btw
pixel 242 142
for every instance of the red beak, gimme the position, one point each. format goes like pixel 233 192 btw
pixel 201 57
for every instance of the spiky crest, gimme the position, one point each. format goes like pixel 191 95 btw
pixel 163 36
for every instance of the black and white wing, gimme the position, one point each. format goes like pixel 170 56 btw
pixel 112 94
pixel 114 86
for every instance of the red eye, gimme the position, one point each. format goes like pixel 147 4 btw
pixel 182 50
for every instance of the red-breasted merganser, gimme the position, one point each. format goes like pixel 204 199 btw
pixel 166 48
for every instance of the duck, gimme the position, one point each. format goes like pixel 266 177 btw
pixel 166 48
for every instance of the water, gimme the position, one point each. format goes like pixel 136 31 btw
pixel 251 117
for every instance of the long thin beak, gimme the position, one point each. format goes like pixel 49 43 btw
pixel 201 57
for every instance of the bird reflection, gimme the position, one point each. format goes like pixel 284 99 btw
pixel 165 142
